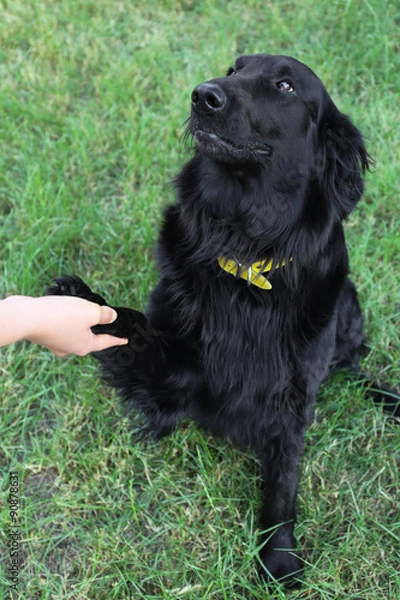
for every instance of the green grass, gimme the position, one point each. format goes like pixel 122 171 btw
pixel 93 99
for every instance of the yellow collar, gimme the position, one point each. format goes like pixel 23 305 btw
pixel 251 273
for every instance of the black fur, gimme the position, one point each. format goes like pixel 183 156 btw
pixel 276 170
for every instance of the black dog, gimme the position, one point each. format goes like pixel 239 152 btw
pixel 254 308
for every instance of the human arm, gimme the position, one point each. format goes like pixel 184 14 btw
pixel 60 323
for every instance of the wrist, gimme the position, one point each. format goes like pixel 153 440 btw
pixel 16 318
pixel 28 316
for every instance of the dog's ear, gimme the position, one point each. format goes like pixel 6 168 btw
pixel 344 160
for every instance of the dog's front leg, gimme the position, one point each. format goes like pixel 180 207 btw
pixel 152 373
pixel 130 323
pixel 280 466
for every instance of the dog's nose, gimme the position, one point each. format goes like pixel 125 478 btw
pixel 209 96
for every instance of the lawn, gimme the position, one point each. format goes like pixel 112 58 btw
pixel 93 99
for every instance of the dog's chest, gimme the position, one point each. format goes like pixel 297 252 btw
pixel 244 349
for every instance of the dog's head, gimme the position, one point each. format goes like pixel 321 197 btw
pixel 273 113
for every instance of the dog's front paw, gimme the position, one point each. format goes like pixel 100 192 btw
pixel 130 324
pixel 69 285
pixel 282 566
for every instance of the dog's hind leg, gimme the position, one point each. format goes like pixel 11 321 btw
pixel 349 346
pixel 349 330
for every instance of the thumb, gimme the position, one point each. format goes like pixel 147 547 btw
pixel 107 315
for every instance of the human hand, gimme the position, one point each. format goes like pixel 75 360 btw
pixel 67 326
pixel 61 323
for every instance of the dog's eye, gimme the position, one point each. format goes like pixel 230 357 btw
pixel 285 86
pixel 230 71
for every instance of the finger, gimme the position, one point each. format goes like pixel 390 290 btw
pixel 104 341
pixel 107 315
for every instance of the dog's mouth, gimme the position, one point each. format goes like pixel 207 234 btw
pixel 218 147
